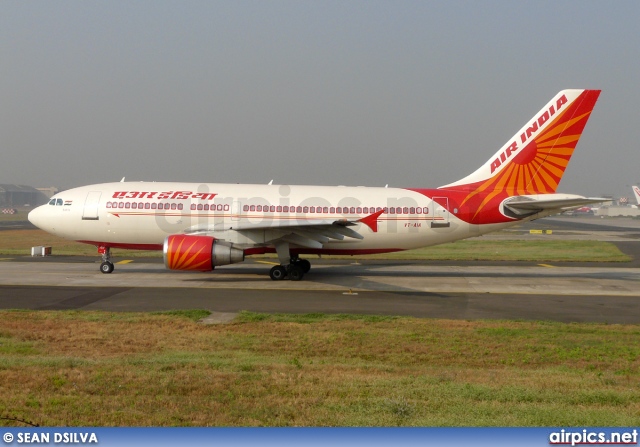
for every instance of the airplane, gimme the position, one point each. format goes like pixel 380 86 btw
pixel 200 226
pixel 636 192
pixel 585 210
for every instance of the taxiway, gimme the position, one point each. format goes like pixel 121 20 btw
pixel 597 292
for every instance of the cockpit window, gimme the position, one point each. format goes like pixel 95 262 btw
pixel 59 202
pixel 52 202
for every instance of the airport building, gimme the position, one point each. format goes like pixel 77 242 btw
pixel 618 211
pixel 20 195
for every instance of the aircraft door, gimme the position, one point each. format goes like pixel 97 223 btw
pixel 90 210
pixel 236 209
pixel 440 212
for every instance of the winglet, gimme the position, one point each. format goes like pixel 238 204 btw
pixel 372 220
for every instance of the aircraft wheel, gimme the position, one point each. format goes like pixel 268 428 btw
pixel 295 273
pixel 106 267
pixel 277 273
pixel 304 265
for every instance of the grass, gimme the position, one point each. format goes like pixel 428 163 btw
pixel 20 216
pixel 124 369
pixel 515 250
pixel 19 243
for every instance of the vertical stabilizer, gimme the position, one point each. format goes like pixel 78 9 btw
pixel 636 191
pixel 534 159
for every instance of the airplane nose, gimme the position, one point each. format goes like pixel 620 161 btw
pixel 35 216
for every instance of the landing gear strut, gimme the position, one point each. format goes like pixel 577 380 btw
pixel 290 266
pixel 107 265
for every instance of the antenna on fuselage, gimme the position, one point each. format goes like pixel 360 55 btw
pixel 122 181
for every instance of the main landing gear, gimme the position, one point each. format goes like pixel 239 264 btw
pixel 107 265
pixel 291 267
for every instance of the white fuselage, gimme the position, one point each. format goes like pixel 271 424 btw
pixel 143 214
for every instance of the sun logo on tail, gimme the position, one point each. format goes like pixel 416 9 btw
pixel 538 167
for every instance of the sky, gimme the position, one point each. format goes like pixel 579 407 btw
pixel 404 93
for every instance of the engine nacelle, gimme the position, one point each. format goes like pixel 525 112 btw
pixel 202 253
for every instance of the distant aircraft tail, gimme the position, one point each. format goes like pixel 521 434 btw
pixel 636 191
pixel 534 159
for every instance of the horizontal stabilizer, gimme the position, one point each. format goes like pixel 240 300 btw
pixel 524 205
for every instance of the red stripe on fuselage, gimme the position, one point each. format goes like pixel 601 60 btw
pixel 150 247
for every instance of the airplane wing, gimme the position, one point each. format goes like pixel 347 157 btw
pixel 526 205
pixel 308 233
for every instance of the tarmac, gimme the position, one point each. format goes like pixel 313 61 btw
pixel 567 292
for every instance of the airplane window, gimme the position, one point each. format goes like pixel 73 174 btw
pixel 59 202
pixel 134 205
pixel 359 210
pixel 392 210
pixel 173 206
pixel 339 210
pixel 108 204
pixel 226 207
pixel 200 207
pixel 285 209
pixel 180 206
pixel 325 209
pixel 279 209
pixel 305 209
pixel 147 206
pixel 154 206
pixel 352 210
pixel 312 209
pixel 52 202
pixel 127 205
pixel 418 210
pixel 365 210
pixel 272 208
pixel 332 210
pixel 405 210
pixel 252 208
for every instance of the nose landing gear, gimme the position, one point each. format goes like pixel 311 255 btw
pixel 106 266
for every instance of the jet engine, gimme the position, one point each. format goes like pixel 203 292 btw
pixel 201 253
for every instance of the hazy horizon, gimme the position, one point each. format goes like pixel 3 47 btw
pixel 415 94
